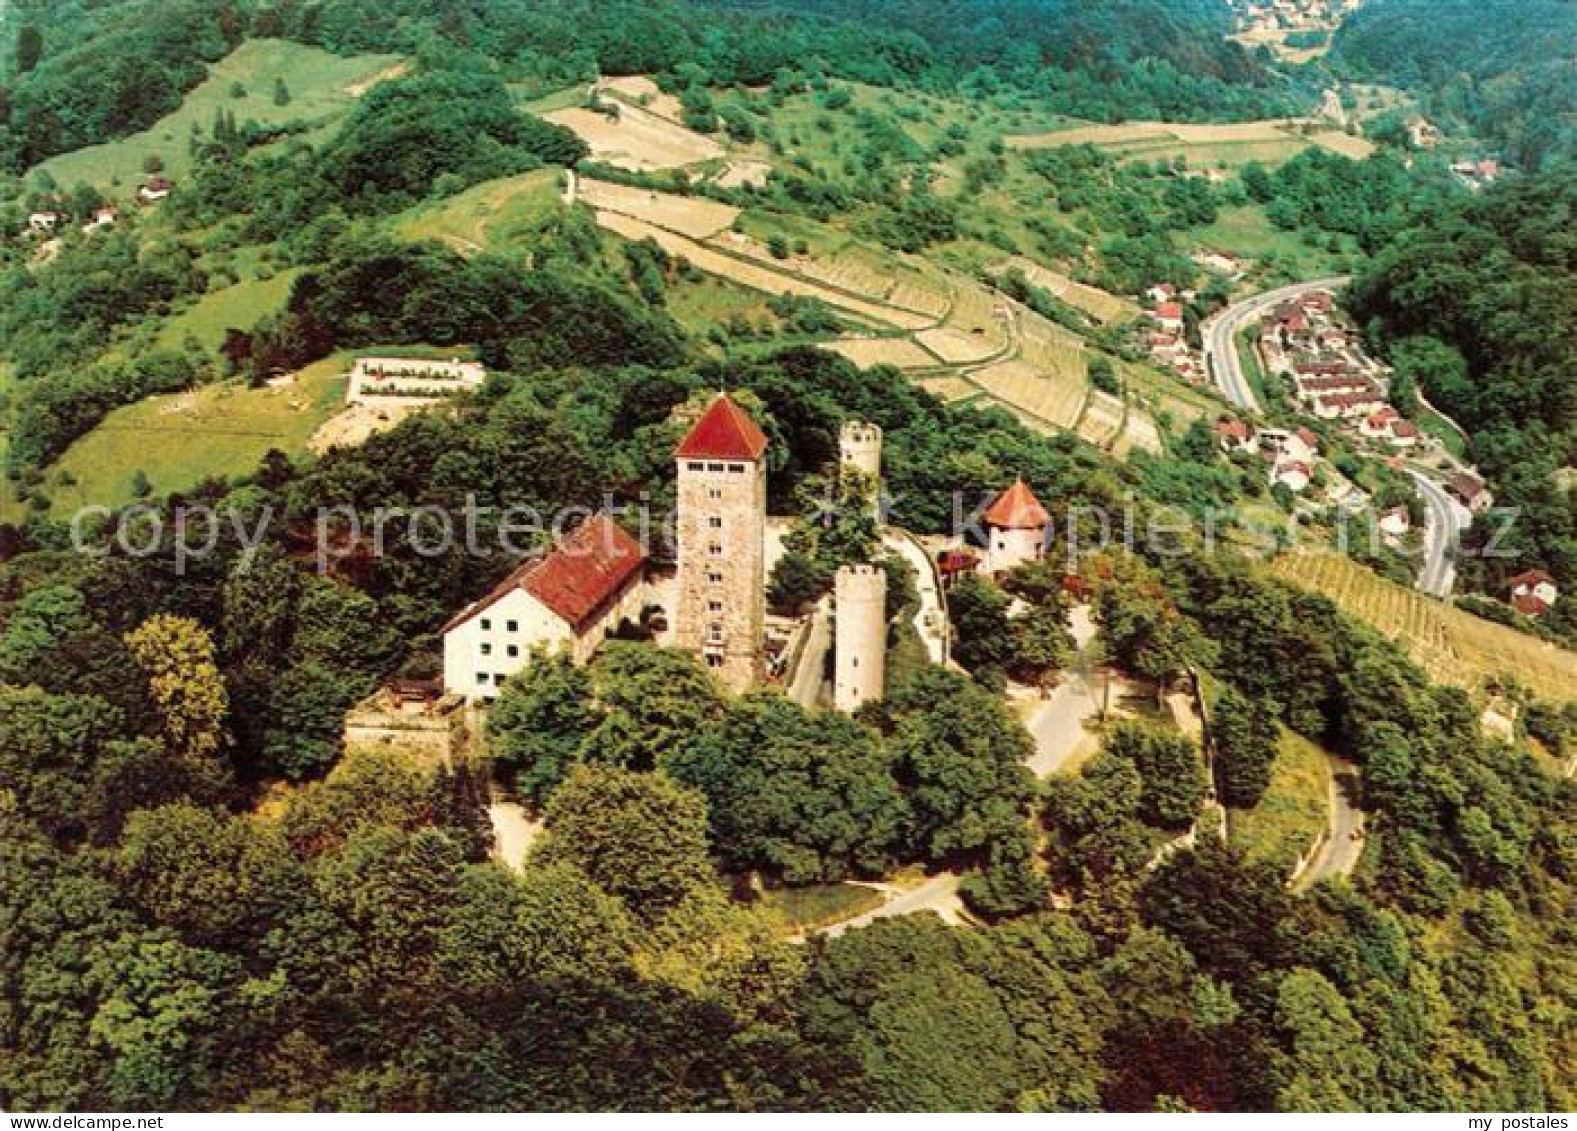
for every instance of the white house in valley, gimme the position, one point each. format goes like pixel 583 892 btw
pixel 572 598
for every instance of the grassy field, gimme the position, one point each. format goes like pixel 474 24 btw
pixel 1455 647
pixel 182 438
pixel 239 307
pixel 1293 810
pixel 1244 231
pixel 321 86
pixel 485 217
pixel 807 908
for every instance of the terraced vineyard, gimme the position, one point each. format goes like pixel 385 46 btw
pixel 1453 646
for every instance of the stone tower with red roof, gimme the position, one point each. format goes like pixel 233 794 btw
pixel 720 531
pixel 1015 529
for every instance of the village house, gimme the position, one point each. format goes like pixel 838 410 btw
pixel 1396 522
pixel 1378 423
pixel 1169 316
pixel 1347 406
pixel 155 190
pixel 572 599
pixel 1470 491
pixel 1404 434
pixel 1161 292
pixel 102 218
pixel 1292 474
pixel 1298 444
pixel 1234 436
pixel 1219 262
pixel 1533 592
pixel 46 221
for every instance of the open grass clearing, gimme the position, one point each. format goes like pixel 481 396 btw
pixel 488 216
pixel 179 439
pixel 755 275
pixel 900 352
pixel 1294 809
pixel 240 307
pixel 321 86
pixel 820 905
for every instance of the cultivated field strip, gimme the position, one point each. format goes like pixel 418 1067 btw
pixel 754 275
pixel 1102 420
pixel 958 348
pixel 900 352
pixel 692 216
pixel 1046 398
pixel 637 139
pixel 1093 301
pixel 1453 646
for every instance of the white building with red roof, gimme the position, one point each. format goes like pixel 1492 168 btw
pixel 571 598
pixel 1533 592
pixel 1015 525
pixel 1169 316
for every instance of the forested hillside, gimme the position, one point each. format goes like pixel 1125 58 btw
pixel 1503 68
pixel 1476 301
pixel 70 80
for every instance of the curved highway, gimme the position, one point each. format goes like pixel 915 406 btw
pixel 1443 533
pixel 1220 336
pixel 1447 520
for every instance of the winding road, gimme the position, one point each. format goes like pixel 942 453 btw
pixel 1220 336
pixel 1442 534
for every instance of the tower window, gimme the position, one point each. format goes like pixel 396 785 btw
pixel 481 678
pixel 487 625
pixel 714 633
pixel 714 492
pixel 511 626
pixel 513 650
pixel 714 606
pixel 714 577
pixel 715 549
pixel 487 649
pixel 715 521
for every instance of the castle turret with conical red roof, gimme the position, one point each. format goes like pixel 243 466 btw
pixel 1016 526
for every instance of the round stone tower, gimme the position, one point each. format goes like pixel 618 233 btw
pixel 860 635
pixel 860 447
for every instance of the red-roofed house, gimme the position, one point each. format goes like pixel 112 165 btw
pixel 1404 434
pixel 1534 586
pixel 1378 423
pixel 1234 435
pixel 1292 474
pixel 1015 529
pixel 1169 316
pixel 572 598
